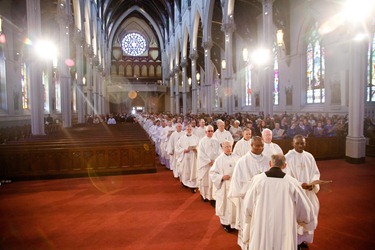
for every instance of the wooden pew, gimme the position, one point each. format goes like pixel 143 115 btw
pixel 77 157
pixel 322 148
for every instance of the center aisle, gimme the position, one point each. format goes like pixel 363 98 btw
pixel 147 211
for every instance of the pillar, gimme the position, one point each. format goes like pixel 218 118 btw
pixel 184 86
pixel 267 75
pixel 79 42
pixel 194 57
pixel 171 91
pixel 228 28
pixel 177 85
pixel 35 70
pixel 208 76
pixel 355 141
pixel 89 96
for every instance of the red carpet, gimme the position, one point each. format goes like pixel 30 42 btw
pixel 153 211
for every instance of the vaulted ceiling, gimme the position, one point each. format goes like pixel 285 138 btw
pixel 159 10
pixel 162 11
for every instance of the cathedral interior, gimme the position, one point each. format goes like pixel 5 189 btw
pixel 75 59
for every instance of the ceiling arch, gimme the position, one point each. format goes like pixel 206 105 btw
pixel 128 12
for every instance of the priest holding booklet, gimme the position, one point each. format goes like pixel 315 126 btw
pixel 302 166
pixel 186 150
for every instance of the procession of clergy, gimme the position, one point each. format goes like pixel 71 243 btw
pixel 266 196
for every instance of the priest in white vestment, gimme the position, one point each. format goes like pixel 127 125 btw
pixel 242 147
pixel 220 175
pixel 164 138
pixel 249 165
pixel 186 150
pixel 302 166
pixel 201 130
pixel 221 134
pixel 171 148
pixel 273 205
pixel 208 151
pixel 270 148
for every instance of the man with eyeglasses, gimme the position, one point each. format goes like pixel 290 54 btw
pixel 208 151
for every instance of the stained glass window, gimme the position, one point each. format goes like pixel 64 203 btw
pixel 315 91
pixel 25 87
pixel 46 91
pixel 276 77
pixel 248 90
pixel 370 92
pixel 216 93
pixel 58 96
pixel 134 44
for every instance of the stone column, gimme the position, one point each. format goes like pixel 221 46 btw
pixel 50 83
pixel 228 28
pixel 184 86
pixel 171 91
pixel 89 98
pixel 64 19
pixel 79 42
pixel 35 70
pixel 267 75
pixel 177 85
pixel 100 90
pixel 355 141
pixel 194 57
pixel 208 75
pixel 95 84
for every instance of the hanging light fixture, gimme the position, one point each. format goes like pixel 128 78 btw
pixel 223 64
pixel 280 38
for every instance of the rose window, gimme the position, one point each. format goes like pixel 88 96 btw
pixel 134 44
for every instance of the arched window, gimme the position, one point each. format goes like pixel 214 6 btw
pixel 315 92
pixel 134 44
pixel 276 77
pixel 370 90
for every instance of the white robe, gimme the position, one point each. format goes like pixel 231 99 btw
pixel 223 136
pixel 171 150
pixel 200 132
pixel 242 147
pixel 273 206
pixel 246 168
pixel 187 162
pixel 271 149
pixel 302 166
pixel 225 209
pixel 164 138
pixel 236 133
pixel 208 150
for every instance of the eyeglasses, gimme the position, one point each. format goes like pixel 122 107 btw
pixel 210 131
